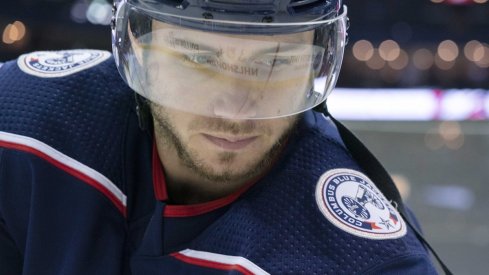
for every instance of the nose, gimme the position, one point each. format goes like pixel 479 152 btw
pixel 235 105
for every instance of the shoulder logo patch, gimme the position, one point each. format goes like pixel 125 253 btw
pixel 350 201
pixel 60 63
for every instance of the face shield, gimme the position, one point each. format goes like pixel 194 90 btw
pixel 228 69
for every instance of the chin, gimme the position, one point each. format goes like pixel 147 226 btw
pixel 233 165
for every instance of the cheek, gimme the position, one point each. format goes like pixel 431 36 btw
pixel 181 127
pixel 177 124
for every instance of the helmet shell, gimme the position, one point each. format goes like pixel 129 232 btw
pixel 279 11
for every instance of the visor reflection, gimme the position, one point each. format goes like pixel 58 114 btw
pixel 237 76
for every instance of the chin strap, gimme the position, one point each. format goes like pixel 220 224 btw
pixel 143 112
pixel 377 173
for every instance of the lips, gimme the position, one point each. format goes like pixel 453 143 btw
pixel 230 143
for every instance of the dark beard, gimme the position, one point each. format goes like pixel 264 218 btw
pixel 167 131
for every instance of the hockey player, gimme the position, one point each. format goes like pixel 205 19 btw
pixel 227 162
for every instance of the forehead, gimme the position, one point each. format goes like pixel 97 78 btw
pixel 161 29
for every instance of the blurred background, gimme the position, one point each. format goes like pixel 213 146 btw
pixel 413 87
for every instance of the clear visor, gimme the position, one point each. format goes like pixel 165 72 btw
pixel 234 75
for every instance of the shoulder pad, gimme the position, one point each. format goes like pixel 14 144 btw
pixel 83 110
pixel 51 64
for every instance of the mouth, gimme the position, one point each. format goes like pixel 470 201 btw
pixel 230 143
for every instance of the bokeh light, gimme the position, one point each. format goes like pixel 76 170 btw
pixel 376 62
pixel 13 32
pixel 389 50
pixel 400 62
pixel 474 50
pixel 484 53
pixel 443 64
pixel 448 50
pixel 363 50
pixel 423 59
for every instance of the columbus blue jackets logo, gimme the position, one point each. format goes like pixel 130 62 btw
pixel 350 201
pixel 60 63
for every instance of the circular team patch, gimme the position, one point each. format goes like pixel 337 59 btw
pixel 60 63
pixel 350 201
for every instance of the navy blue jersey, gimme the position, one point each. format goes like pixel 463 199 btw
pixel 82 191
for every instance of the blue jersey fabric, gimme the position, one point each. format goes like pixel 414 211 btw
pixel 77 195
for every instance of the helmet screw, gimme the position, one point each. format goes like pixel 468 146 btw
pixel 207 15
pixel 267 19
pixel 112 23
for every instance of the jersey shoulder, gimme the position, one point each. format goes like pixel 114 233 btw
pixel 73 102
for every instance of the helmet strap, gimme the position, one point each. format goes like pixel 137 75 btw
pixel 143 112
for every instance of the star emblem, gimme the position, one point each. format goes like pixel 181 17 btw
pixel 386 223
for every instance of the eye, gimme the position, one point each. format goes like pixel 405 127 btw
pixel 201 58
pixel 272 61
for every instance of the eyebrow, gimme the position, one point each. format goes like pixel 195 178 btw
pixel 280 47
pixel 200 45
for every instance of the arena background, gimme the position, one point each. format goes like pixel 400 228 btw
pixel 413 88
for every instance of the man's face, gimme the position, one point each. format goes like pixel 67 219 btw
pixel 218 149
pixel 206 88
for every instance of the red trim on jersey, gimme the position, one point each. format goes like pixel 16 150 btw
pixel 211 264
pixel 190 210
pixel 202 208
pixel 175 211
pixel 77 174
